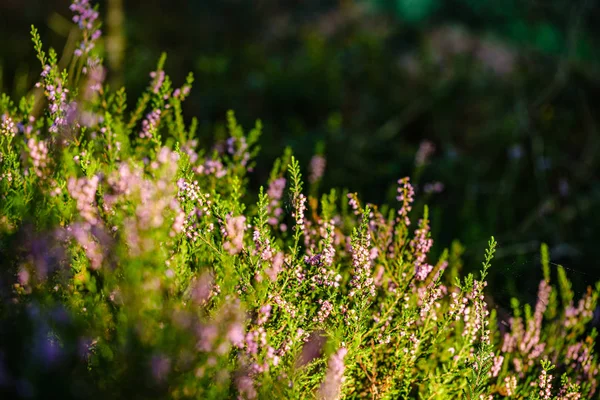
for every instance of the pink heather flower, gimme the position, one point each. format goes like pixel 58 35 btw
pixel 27 129
pixel 150 123
pixel 284 305
pixel 334 378
pixel 405 195
pixel 59 110
pixel 211 167
pixel 262 246
pixel 57 97
pixel 38 154
pixel 317 168
pixel 362 280
pixel 275 193
pixel 276 266
pixel 23 276
pixel 353 202
pixel 545 385
pixel 83 191
pixel 426 149
pixel 238 148
pixel 255 339
pixel 202 288
pixel 497 366
pixel 433 187
pixel 432 294
pixel 208 335
pixel 235 334
pixel 178 223
pixel 275 190
pixel 8 127
pixel 96 74
pixel 298 213
pixel 189 149
pixel 323 275
pixel 580 356
pixel 312 348
pixel 583 312
pixel 226 329
pixel 245 387
pixel 234 234
pixel 326 307
pixel 420 245
pixel 532 336
pixel 189 192
pixel 263 314
pixel 510 384
pixel 85 17
pixel 93 250
pixel 158 78
pixel 153 198
pixel 475 315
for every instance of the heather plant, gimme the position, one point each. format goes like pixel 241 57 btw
pixel 138 265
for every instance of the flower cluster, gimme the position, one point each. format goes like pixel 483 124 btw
pixel 426 149
pixel 233 230
pixel 85 16
pixel 275 193
pixel 421 244
pixel 83 190
pixel 334 378
pixel 405 195
pixel 150 124
pixel 38 154
pixel 317 168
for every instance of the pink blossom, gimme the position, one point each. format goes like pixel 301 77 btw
pixel 331 386
pixel 234 234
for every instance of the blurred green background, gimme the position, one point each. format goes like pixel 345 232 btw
pixel 504 90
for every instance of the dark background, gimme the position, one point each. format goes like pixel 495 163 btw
pixel 506 90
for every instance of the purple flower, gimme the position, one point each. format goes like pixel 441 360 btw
pixel 150 123
pixel 85 17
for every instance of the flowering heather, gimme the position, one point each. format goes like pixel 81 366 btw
pixel 150 123
pixel 146 267
pixel 405 196
pixel 317 168
pixel 85 16
pixel 8 127
pixel 334 378
pixel 426 150
pixel 234 233
pixel 38 155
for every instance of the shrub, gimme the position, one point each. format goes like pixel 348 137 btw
pixel 139 266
